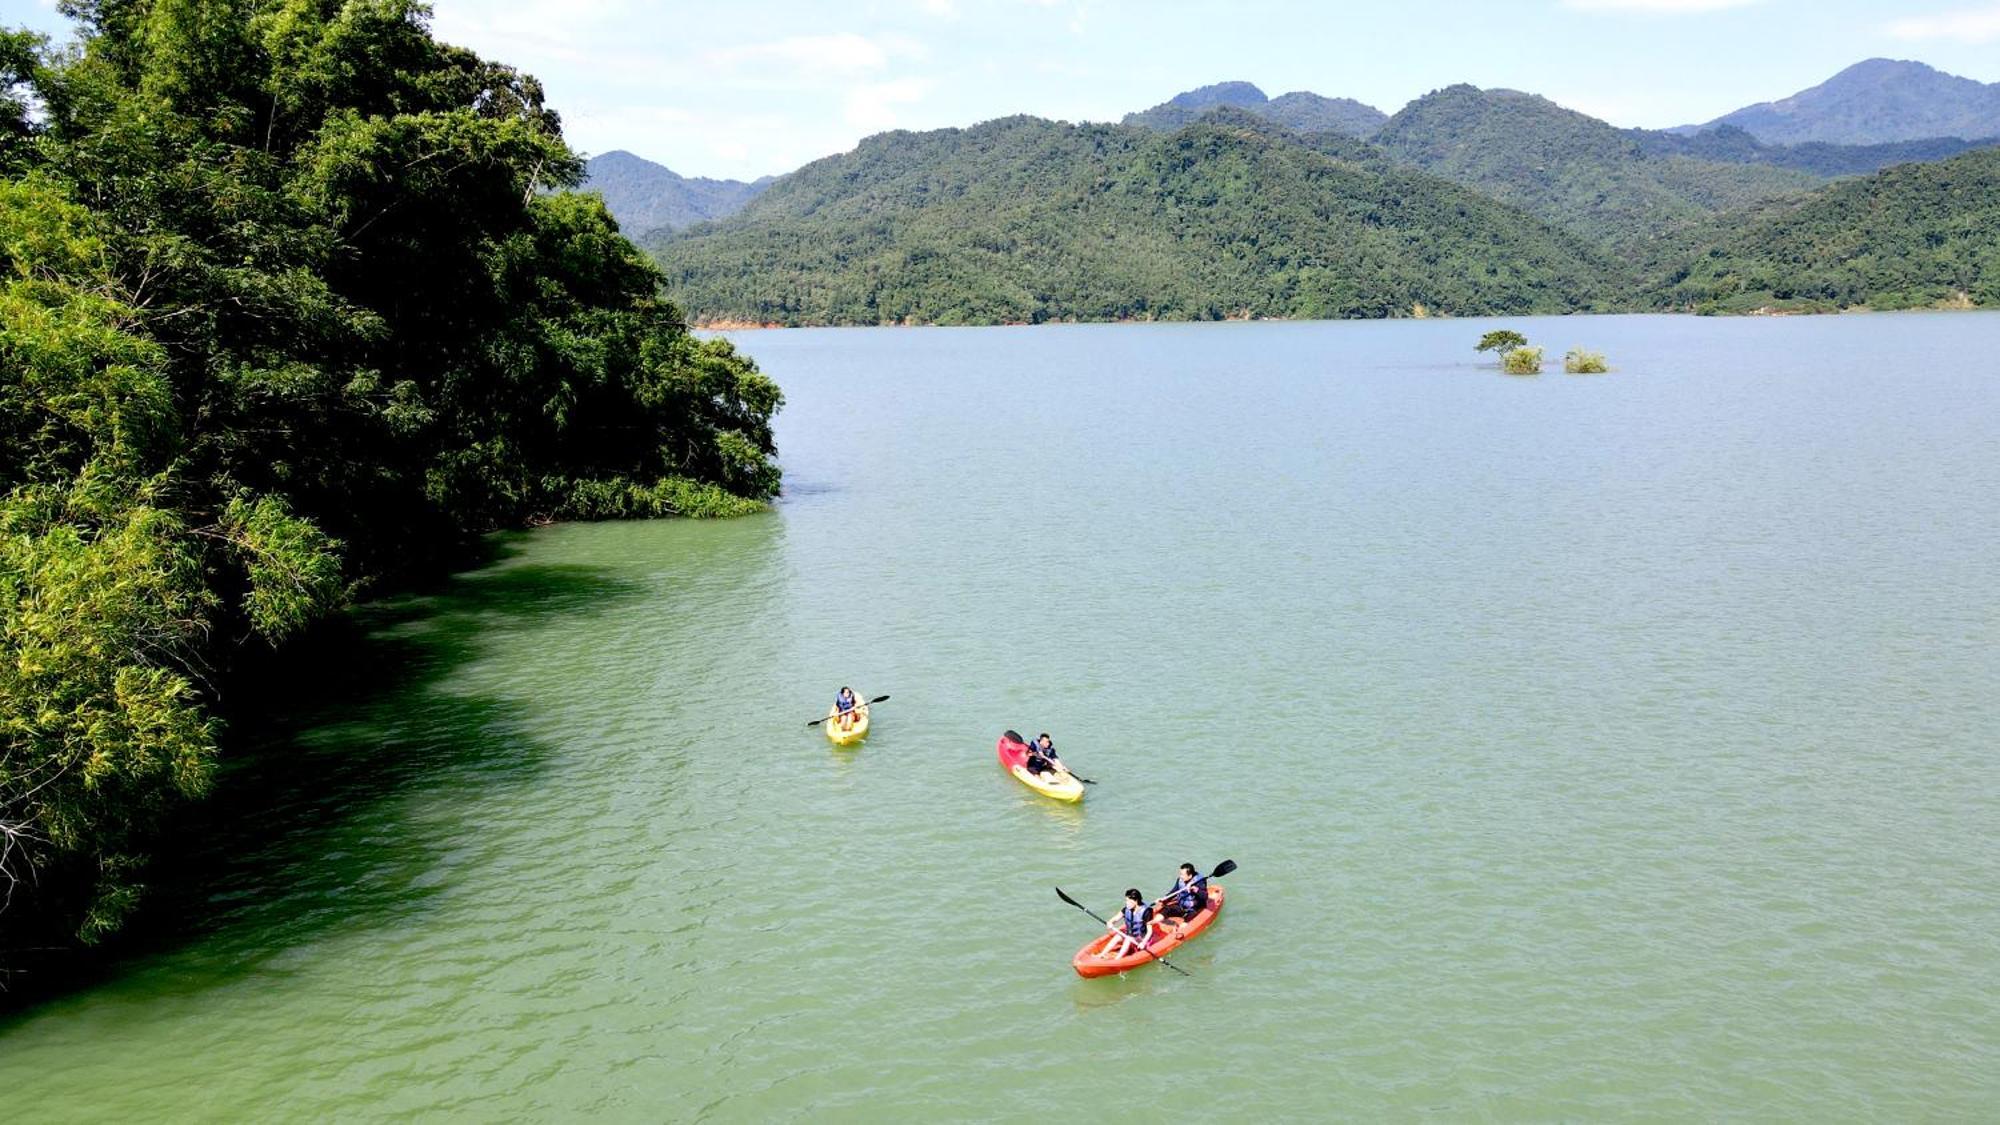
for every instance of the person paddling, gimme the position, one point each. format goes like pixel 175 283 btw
pixel 843 706
pixel 1188 898
pixel 1042 758
pixel 1131 929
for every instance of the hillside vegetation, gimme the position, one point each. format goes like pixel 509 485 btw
pixel 1731 145
pixel 1028 220
pixel 1910 236
pixel 1570 169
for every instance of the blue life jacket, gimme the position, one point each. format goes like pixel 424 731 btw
pixel 1189 893
pixel 1135 923
pixel 844 703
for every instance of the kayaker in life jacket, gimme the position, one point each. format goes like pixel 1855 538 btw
pixel 843 704
pixel 1188 898
pixel 1131 929
pixel 1042 759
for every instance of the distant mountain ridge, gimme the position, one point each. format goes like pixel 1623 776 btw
pixel 1872 102
pixel 1023 220
pixel 1224 202
pixel 645 197
pixel 1300 111
pixel 1731 144
pixel 1569 168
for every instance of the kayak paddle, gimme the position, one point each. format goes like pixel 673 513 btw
pixel 823 718
pixel 1142 945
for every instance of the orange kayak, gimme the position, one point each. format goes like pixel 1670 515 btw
pixel 1087 963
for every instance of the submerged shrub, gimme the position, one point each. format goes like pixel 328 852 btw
pixel 1580 362
pixel 1522 361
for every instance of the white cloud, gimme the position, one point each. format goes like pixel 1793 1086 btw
pixel 1657 7
pixel 1966 25
pixel 840 53
pixel 872 108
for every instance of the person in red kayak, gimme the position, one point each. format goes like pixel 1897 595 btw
pixel 1132 930
pixel 1042 760
pixel 1188 898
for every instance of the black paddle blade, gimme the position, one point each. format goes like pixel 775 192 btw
pixel 1015 735
pixel 1223 868
pixel 1071 901
pixel 879 699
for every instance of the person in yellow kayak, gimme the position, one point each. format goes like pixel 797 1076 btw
pixel 1042 760
pixel 1188 898
pixel 844 708
pixel 1132 929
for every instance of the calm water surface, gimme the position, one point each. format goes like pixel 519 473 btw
pixel 1591 746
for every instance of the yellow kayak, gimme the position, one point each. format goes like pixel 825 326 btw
pixel 850 731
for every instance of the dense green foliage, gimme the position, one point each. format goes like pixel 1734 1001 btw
pixel 1730 145
pixel 645 197
pixel 1873 102
pixel 1501 341
pixel 1575 171
pixel 1028 220
pixel 1300 111
pixel 1910 236
pixel 286 306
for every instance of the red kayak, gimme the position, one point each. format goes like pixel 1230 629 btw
pixel 1014 757
pixel 1087 963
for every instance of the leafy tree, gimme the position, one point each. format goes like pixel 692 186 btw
pixel 292 302
pixel 1501 341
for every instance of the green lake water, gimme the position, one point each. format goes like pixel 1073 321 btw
pixel 1609 746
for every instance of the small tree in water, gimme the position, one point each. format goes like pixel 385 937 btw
pixel 1522 361
pixel 1502 341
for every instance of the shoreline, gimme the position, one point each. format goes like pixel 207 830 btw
pixel 731 324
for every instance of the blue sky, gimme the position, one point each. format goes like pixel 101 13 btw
pixel 743 89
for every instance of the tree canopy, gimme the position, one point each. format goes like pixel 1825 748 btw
pixel 292 300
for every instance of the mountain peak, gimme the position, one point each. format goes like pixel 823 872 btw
pixel 1221 93
pixel 645 196
pixel 1301 111
pixel 1876 101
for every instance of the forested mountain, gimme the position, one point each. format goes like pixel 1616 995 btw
pixel 645 197
pixel 1913 235
pixel 1026 220
pixel 1876 101
pixel 1300 111
pixel 287 309
pixel 1571 169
